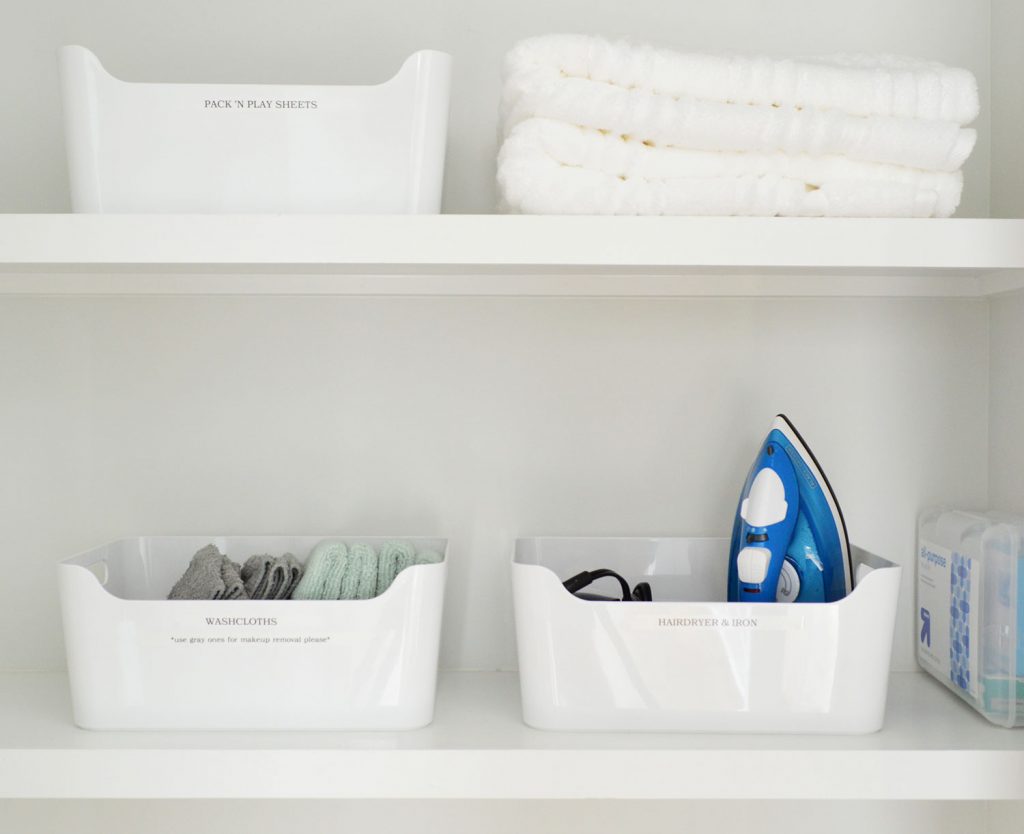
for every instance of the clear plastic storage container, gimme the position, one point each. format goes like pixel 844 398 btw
pixel 139 661
pixel 970 608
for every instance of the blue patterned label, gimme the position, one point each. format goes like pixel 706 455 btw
pixel 961 637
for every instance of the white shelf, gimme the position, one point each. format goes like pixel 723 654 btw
pixel 932 747
pixel 507 255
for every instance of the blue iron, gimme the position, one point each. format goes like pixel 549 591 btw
pixel 789 540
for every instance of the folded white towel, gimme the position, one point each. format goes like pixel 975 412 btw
pixel 559 190
pixel 547 167
pixel 540 141
pixel 864 85
pixel 663 119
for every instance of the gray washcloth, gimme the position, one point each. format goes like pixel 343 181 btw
pixel 293 573
pixel 269 577
pixel 256 574
pixel 210 575
pixel 234 588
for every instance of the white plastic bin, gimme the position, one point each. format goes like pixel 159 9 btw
pixel 698 664
pixel 139 661
pixel 210 148
pixel 970 608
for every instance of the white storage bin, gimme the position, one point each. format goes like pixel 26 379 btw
pixel 700 663
pixel 139 661
pixel 209 148
pixel 970 608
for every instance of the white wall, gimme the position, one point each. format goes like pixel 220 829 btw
pixel 1006 475
pixel 358 41
pixel 1007 109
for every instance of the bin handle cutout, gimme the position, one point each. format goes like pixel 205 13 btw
pixel 100 570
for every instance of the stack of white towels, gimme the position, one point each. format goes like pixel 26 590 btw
pixel 595 127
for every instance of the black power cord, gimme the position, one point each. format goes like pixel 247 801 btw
pixel 575 584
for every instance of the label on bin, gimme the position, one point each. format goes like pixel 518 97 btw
pixel 757 621
pixel 239 632
pixel 948 588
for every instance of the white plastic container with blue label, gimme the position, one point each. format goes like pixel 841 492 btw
pixel 970 608
pixel 245 148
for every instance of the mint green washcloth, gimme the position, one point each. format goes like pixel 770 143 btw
pixel 325 569
pixel 360 578
pixel 429 557
pixel 394 557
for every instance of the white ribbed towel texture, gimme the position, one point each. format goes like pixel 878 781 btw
pixel 594 127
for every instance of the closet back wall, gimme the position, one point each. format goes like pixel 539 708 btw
pixel 364 41
pixel 1006 450
pixel 481 419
